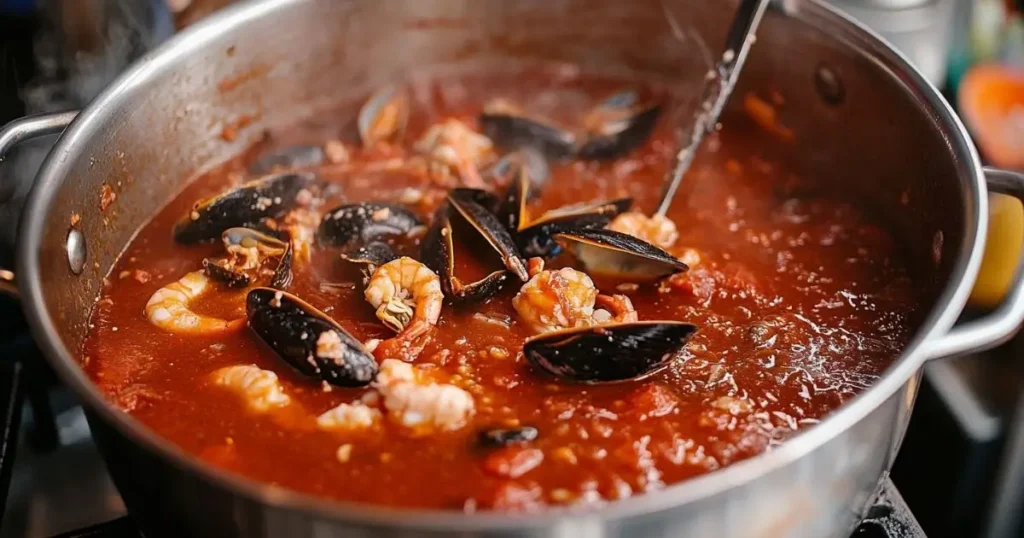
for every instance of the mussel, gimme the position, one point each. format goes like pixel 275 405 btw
pixel 287 158
pixel 371 255
pixel 535 237
pixel 616 126
pixel 500 437
pixel 525 161
pixel 608 253
pixel 248 249
pixel 606 353
pixel 359 224
pixel 509 126
pixel 439 248
pixel 384 116
pixel 268 197
pixel 488 226
pixel 307 339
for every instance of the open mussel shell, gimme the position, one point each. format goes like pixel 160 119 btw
pixel 510 128
pixel 438 253
pixel 536 237
pixel 268 197
pixel 485 199
pixel 617 125
pixel 608 253
pixel 488 226
pixel 384 116
pixel 307 339
pixel 606 353
pixel 287 158
pixel 365 222
pixel 249 237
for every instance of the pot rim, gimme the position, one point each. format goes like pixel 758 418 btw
pixel 194 39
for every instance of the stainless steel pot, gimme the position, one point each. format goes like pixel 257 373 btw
pixel 868 125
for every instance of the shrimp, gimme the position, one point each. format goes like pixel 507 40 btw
pixel 168 308
pixel 407 296
pixel 557 299
pixel 657 230
pixel 614 308
pixel 260 388
pixel 455 145
pixel 415 401
pixel 354 416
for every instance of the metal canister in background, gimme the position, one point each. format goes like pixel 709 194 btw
pixel 920 29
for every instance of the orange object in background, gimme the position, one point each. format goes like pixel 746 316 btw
pixel 992 105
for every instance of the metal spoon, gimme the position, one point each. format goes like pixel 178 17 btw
pixel 718 87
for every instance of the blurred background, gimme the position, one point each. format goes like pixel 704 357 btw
pixel 961 469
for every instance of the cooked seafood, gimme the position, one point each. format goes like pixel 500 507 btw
pixel 458 147
pixel 416 402
pixel 260 388
pixel 345 416
pixel 553 300
pixel 384 116
pixel 610 352
pixel 168 308
pixel 657 230
pixel 406 295
pixel 308 339
pixel 357 224
pixel 268 197
pixel 617 255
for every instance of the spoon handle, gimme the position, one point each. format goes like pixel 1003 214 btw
pixel 718 85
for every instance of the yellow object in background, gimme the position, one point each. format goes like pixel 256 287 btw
pixel 1002 251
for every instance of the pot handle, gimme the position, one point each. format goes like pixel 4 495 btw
pixel 12 134
pixel 1000 326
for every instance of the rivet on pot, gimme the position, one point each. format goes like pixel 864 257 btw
pixel 829 85
pixel 76 250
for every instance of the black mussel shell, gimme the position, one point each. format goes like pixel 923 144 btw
pixel 384 116
pixel 288 158
pixel 438 253
pixel 293 328
pixel 499 437
pixel 485 199
pixel 512 209
pixel 228 275
pixel 536 237
pixel 617 125
pixel 358 224
pixel 373 254
pixel 508 127
pixel 606 353
pixel 268 197
pixel 614 254
pixel 484 222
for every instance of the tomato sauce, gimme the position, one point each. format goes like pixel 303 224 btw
pixel 800 304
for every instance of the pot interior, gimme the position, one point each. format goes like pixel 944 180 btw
pixel 862 131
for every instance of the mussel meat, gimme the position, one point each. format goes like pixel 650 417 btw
pixel 606 353
pixel 535 237
pixel 268 197
pixel 247 250
pixel 287 158
pixel 384 116
pixel 307 339
pixel 617 125
pixel 510 127
pixel 359 224
pixel 608 253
